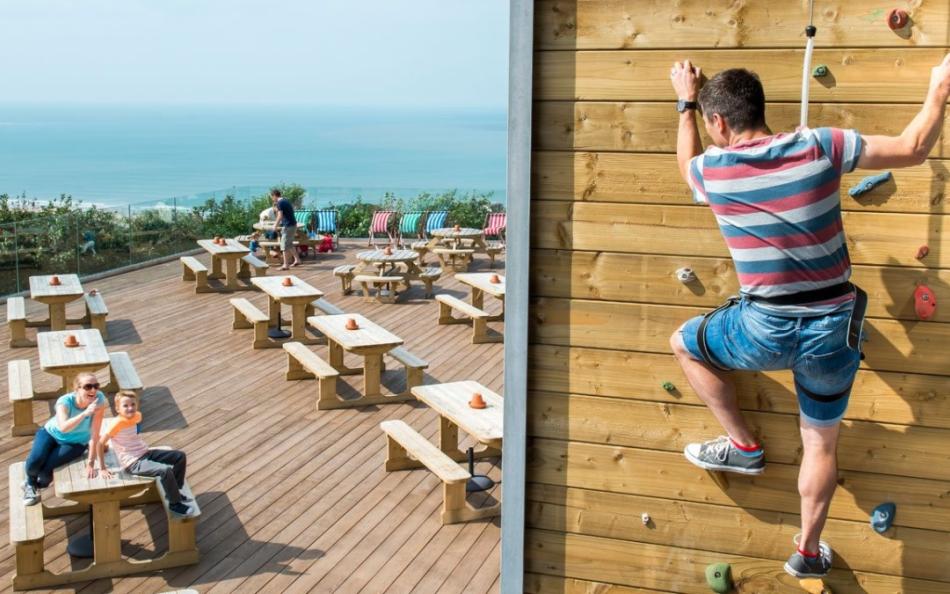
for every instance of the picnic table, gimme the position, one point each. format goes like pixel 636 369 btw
pixel 389 264
pixel 55 296
pixel 297 295
pixel 480 282
pixel 68 362
pixel 455 238
pixel 369 341
pixel 451 402
pixel 229 253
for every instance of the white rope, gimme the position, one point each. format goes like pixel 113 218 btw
pixel 806 65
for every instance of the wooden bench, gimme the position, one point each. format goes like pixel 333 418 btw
pixel 26 526
pixel 16 321
pixel 122 375
pixel 493 248
pixel 193 270
pixel 326 307
pixel 403 441
pixel 429 276
pixel 249 262
pixel 458 259
pixel 247 316
pixel 181 530
pixel 414 368
pixel 385 287
pixel 302 363
pixel 421 248
pixel 20 381
pixel 479 318
pixel 96 313
pixel 346 274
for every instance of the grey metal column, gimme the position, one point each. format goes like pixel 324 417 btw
pixel 520 61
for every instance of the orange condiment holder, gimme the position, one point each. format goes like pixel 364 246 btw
pixel 388 251
pixel 477 401
pixel 54 281
pixel 351 324
pixel 287 282
pixel 93 292
pixel 71 341
pixel 494 279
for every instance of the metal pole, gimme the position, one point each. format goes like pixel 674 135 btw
pixel 131 259
pixel 16 256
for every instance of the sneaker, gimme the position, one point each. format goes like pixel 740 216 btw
pixel 185 498
pixel 31 496
pixel 180 509
pixel 802 567
pixel 720 454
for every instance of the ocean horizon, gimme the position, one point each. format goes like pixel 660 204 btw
pixel 114 155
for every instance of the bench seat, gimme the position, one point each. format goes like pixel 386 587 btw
pixel 27 532
pixel 20 382
pixel 478 318
pixel 428 276
pixel 122 375
pixel 493 248
pixel 246 315
pixel 415 367
pixel 302 363
pixel 96 313
pixel 326 307
pixel 193 270
pixel 345 272
pixel 16 322
pixel 457 258
pixel 406 447
pixel 385 287
pixel 251 262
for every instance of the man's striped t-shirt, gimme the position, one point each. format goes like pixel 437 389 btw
pixel 777 204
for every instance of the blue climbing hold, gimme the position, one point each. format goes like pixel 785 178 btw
pixel 867 184
pixel 883 517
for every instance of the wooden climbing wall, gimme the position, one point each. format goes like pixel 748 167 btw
pixel 612 221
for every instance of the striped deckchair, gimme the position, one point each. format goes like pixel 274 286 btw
pixel 325 222
pixel 380 223
pixel 436 219
pixel 495 223
pixel 409 226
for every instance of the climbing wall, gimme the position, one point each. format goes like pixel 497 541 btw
pixel 611 500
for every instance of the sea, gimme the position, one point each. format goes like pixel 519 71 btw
pixel 117 155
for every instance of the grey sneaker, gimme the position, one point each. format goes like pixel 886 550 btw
pixel 31 496
pixel 801 566
pixel 179 509
pixel 720 454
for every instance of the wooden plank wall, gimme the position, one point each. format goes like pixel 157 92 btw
pixel 612 221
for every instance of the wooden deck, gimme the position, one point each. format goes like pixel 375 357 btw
pixel 292 499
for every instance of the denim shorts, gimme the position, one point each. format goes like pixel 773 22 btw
pixel 816 349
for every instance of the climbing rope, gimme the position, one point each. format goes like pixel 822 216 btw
pixel 810 31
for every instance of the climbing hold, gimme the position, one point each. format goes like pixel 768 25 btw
pixel 922 252
pixel 882 517
pixel 669 387
pixel 868 183
pixel 685 275
pixel 645 518
pixel 815 586
pixel 820 71
pixel 719 577
pixel 925 302
pixel 897 19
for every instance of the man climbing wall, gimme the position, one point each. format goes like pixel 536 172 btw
pixel 775 198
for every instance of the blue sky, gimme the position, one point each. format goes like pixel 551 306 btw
pixel 424 53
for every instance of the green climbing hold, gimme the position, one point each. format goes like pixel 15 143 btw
pixel 820 71
pixel 668 386
pixel 719 577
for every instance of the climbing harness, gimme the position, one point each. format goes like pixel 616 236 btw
pixel 810 31
pixel 701 333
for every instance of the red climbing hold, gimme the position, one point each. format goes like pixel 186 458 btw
pixel 925 302
pixel 922 252
pixel 897 19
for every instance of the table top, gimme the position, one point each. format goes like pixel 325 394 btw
pixel 233 247
pixel 71 480
pixel 380 256
pixel 368 335
pixel 451 232
pixel 482 280
pixel 273 286
pixel 91 351
pixel 451 401
pixel 69 286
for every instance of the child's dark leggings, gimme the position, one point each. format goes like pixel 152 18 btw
pixel 168 466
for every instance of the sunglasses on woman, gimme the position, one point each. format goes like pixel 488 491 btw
pixel 90 386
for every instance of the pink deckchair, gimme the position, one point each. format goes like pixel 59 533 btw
pixel 380 224
pixel 495 223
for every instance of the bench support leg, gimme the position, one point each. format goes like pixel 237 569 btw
pixel 295 370
pixel 201 282
pixel 29 561
pixel 240 322
pixel 261 340
pixel 445 315
pixel 181 536
pixel 397 458
pixel 99 323
pixel 18 335
pixel 187 274
pixel 23 418
pixel 326 393
pixel 455 509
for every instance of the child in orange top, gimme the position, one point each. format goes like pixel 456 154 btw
pixel 136 457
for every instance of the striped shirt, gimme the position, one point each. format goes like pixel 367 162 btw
pixel 125 441
pixel 777 205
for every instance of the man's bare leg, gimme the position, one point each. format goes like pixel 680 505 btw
pixel 817 480
pixel 716 389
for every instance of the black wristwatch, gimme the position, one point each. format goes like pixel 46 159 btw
pixel 682 105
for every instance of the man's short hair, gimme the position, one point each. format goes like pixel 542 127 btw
pixel 275 192
pixel 736 95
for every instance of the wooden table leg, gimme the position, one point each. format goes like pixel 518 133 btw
pixel 372 374
pixel 448 437
pixel 298 321
pixel 231 266
pixel 273 308
pixel 215 267
pixel 105 534
pixel 57 316
pixel 478 297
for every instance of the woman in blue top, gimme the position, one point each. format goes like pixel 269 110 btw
pixel 65 436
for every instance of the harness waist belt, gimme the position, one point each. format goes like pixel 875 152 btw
pixel 805 297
